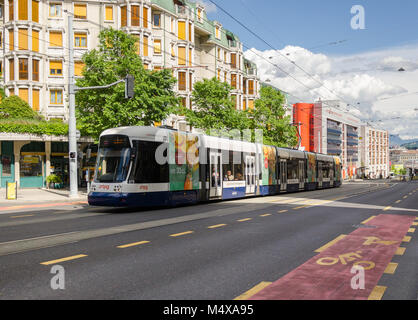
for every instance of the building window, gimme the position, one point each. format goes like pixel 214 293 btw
pixel 35 70
pixel 23 39
pixel 145 46
pixel 250 86
pixel 11 10
pixel 182 30
pixel 190 31
pixel 145 14
pixel 35 99
pixel 35 40
pixel 234 81
pixel 233 60
pixel 23 9
pixel 173 51
pixel 78 68
pixel 157 46
pixel 11 69
pixel 182 56
pixel 137 43
pixel 156 19
pixel 199 15
pixel 11 40
pixel 80 11
pixel 123 16
pixel 55 68
pixel 109 13
pixel 55 38
pixel 182 81
pixel 35 11
pixel 24 94
pixel 135 16
pixel 80 40
pixel 23 69
pixel 55 10
pixel 190 57
pixel 217 32
pixel 56 96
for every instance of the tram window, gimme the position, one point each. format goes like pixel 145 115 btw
pixel 293 169
pixel 232 168
pixel 147 170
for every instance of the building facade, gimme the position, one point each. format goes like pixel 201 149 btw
pixel 325 128
pixel 375 153
pixel 171 34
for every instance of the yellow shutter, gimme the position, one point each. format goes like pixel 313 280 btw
pixel 35 99
pixel 157 46
pixel 11 69
pixel 35 11
pixel 109 13
pixel 199 14
pixel 123 15
pixel 145 11
pixel 190 57
pixel 35 40
pixel 182 30
pixel 11 40
pixel 145 46
pixel 23 9
pixel 251 104
pixel 244 106
pixel 55 68
pixel 80 11
pixel 55 39
pixel 24 94
pixel 78 68
pixel 182 56
pixel 23 39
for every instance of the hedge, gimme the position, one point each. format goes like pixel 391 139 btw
pixel 33 127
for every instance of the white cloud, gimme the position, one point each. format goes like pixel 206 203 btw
pixel 366 78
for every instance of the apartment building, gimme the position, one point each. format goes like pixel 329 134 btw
pixel 375 155
pixel 171 34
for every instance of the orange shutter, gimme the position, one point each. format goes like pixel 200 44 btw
pixel 157 46
pixel 182 56
pixel 137 44
pixel 24 94
pixel 123 16
pixel 55 39
pixel 11 69
pixel 11 40
pixel 23 39
pixel 190 57
pixel 145 14
pixel 35 99
pixel 145 46
pixel 135 16
pixel 182 81
pixel 35 11
pixel 182 30
pixel 109 13
pixel 78 68
pixel 23 9
pixel 35 40
pixel 80 11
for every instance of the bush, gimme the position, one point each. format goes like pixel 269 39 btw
pixel 34 127
pixel 53 178
pixel 14 107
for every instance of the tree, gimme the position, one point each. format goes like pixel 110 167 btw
pixel 102 109
pixel 214 108
pixel 14 107
pixel 269 116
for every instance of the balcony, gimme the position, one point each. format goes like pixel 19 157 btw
pixel 335 131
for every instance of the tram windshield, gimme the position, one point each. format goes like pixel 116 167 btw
pixel 113 159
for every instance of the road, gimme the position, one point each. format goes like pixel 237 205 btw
pixel 221 250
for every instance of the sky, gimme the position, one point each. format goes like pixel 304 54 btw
pixel 311 51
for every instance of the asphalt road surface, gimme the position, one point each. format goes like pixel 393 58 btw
pixel 220 250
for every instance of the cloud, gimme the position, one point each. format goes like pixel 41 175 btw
pixel 360 80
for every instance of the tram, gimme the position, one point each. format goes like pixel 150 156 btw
pixel 149 166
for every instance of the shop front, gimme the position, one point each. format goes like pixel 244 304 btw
pixel 32 165
pixel 6 163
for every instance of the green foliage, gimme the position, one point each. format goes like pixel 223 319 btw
pixel 214 108
pixel 14 107
pixel 53 178
pixel 33 127
pixel 269 116
pixel 101 109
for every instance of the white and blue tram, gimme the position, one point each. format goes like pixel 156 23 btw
pixel 148 166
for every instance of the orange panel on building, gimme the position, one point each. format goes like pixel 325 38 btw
pixel 302 113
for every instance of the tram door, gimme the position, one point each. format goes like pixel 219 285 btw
pixel 301 174
pixel 320 176
pixel 283 175
pixel 215 175
pixel 249 174
pixel 331 176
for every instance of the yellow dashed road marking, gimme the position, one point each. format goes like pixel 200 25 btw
pixel 282 211
pixel 63 259
pixel 406 239
pixel 411 230
pixel 377 293
pixel 398 201
pixel 181 234
pixel 22 216
pixel 132 244
pixel 265 215
pixel 331 243
pixel 217 226
pixel 248 294
pixel 387 208
pixel 400 251
pixel 246 219
pixel 415 223
pixel 391 268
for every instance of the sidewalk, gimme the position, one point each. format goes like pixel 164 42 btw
pixel 41 196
